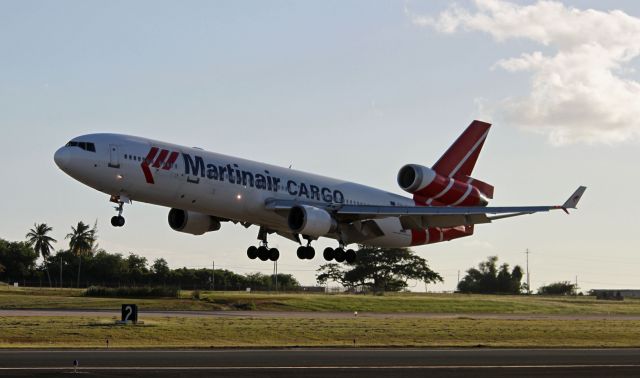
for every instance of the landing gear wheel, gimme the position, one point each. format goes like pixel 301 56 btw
pixel 252 252
pixel 274 254
pixel 350 256
pixel 339 255
pixel 117 221
pixel 328 254
pixel 263 253
pixel 310 253
pixel 301 252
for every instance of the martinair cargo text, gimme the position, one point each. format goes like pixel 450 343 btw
pixel 204 189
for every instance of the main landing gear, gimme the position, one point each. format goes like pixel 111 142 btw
pixel 263 252
pixel 117 220
pixel 339 254
pixel 306 252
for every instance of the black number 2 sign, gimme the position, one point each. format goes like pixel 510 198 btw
pixel 130 313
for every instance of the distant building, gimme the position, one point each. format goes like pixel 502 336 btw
pixel 616 294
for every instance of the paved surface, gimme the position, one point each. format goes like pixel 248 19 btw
pixel 314 315
pixel 326 362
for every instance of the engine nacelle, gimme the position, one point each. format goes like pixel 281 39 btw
pixel 413 177
pixel 428 187
pixel 191 222
pixel 311 221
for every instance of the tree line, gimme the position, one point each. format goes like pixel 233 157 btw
pixel 375 269
pixel 84 264
pixel 488 278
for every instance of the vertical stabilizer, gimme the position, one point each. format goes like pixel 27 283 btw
pixel 461 157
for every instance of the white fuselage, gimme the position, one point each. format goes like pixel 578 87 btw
pixel 214 184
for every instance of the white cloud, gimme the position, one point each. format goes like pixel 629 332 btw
pixel 581 92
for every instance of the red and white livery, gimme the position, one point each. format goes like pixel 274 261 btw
pixel 205 189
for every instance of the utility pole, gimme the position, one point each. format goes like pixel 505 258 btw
pixel 528 281
pixel 213 275
pixel 275 273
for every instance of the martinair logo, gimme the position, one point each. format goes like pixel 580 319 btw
pixel 159 160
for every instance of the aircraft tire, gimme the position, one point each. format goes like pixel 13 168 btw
pixel 252 252
pixel 274 254
pixel 263 253
pixel 301 252
pixel 310 253
pixel 117 221
pixel 340 255
pixel 350 256
pixel 328 254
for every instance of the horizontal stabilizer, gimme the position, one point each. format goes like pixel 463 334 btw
pixel 483 187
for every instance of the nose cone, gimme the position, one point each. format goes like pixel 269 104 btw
pixel 62 157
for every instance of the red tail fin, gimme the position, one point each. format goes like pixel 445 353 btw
pixel 461 157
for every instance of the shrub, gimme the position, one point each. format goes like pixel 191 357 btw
pixel 245 306
pixel 132 292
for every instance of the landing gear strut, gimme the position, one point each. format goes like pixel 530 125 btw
pixel 117 220
pixel 339 254
pixel 263 252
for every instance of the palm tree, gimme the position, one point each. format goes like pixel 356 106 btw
pixel 81 241
pixel 38 239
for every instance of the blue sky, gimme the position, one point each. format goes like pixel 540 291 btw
pixel 349 89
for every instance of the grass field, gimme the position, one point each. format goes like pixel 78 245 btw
pixel 461 331
pixel 89 332
pixel 29 298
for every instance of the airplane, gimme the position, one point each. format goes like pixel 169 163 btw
pixel 204 189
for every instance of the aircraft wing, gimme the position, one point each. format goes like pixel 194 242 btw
pixel 415 217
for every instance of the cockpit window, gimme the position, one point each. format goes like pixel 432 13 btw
pixel 87 146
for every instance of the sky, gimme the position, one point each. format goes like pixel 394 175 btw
pixel 347 89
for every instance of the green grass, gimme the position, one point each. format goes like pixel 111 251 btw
pixel 92 332
pixel 430 303
pixel 29 298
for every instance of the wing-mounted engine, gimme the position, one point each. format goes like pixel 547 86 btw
pixel 430 188
pixel 191 222
pixel 311 221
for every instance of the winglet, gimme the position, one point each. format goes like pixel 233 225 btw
pixel 573 200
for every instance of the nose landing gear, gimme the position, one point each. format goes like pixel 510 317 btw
pixel 118 220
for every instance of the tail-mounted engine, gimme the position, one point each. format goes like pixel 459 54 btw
pixel 191 222
pixel 311 221
pixel 429 187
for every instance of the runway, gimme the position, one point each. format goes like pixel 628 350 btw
pixel 325 362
